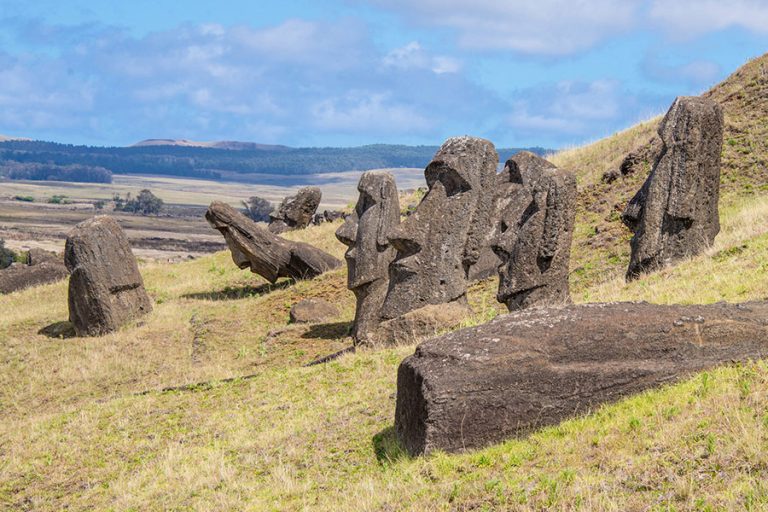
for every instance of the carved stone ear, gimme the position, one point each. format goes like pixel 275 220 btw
pixel 386 205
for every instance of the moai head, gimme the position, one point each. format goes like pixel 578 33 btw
pixel 675 215
pixel 443 237
pixel 366 231
pixel 534 231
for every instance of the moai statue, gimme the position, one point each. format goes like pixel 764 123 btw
pixel 443 238
pixel 105 287
pixel 295 212
pixel 674 215
pixel 366 234
pixel 537 205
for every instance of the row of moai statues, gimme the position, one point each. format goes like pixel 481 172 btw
pixel 525 215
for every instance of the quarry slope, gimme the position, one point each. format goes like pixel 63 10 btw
pixel 205 405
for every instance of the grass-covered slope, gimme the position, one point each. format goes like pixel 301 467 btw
pixel 85 424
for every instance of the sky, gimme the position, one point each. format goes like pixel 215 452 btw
pixel 550 73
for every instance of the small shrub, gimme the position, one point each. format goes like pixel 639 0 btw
pixel 7 256
pixel 25 199
pixel 146 203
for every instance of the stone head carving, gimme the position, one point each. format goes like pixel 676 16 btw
pixel 443 237
pixel 534 232
pixel 366 231
pixel 675 213
pixel 366 234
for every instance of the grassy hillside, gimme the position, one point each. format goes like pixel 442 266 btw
pixel 86 424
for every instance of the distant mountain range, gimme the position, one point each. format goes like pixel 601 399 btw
pixel 248 162
pixel 219 144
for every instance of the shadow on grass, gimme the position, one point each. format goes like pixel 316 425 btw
pixel 242 292
pixel 387 447
pixel 59 330
pixel 332 331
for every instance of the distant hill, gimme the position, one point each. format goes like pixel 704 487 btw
pixel 4 138
pixel 230 161
pixel 220 144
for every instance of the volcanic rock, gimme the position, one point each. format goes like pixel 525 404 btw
pixel 445 235
pixel 675 213
pixel 264 253
pixel 366 234
pixel 533 368
pixel 534 234
pixel 105 287
pixel 295 212
pixel 312 311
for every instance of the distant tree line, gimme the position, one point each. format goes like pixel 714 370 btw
pixel 213 163
pixel 54 172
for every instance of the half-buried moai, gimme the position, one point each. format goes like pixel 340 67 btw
pixel 105 286
pixel 444 236
pixel 674 215
pixel 296 212
pixel 366 232
pixel 536 208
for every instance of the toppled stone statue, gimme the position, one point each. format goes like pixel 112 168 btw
pixel 105 287
pixel 42 267
pixel 264 253
pixel 537 208
pixel 366 232
pixel 675 213
pixel 444 236
pixel 296 212
pixel 534 368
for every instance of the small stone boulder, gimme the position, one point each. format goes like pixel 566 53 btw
pixel 423 323
pixel 20 277
pixel 296 212
pixel 309 311
pixel 105 287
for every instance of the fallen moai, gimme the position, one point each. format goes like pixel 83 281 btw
pixel 42 267
pixel 537 367
pixel 366 234
pixel 675 213
pixel 296 212
pixel 439 242
pixel 263 252
pixel 536 210
pixel 105 287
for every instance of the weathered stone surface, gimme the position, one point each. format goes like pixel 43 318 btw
pixel 295 212
pixel 422 323
pixel 366 233
pixel 264 253
pixel 445 235
pixel 675 215
pixel 312 310
pixel 105 287
pixel 37 256
pixel 19 276
pixel 534 232
pixel 643 159
pixel 533 368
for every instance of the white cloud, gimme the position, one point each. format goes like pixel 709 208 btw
pixel 543 27
pixel 373 112
pixel 413 56
pixel 689 18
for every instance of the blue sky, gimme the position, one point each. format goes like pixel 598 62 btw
pixel 550 73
